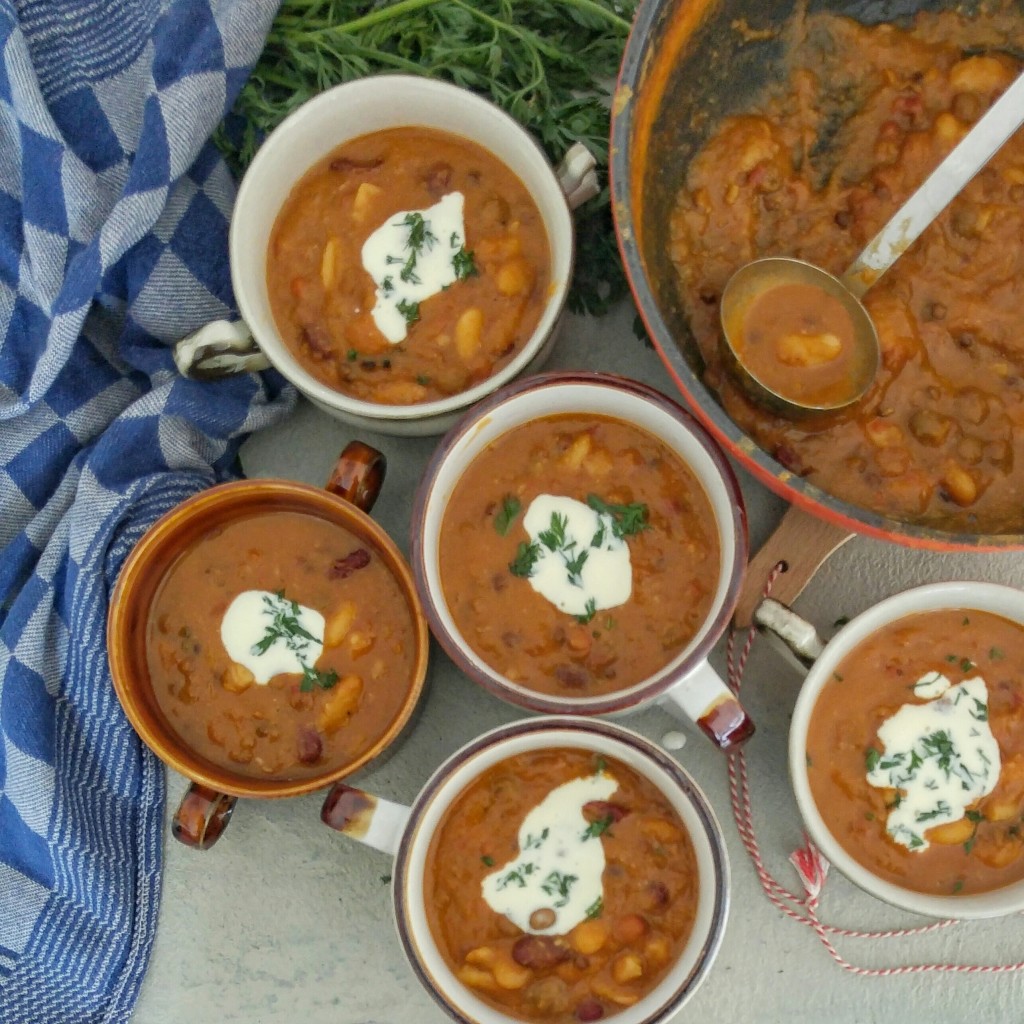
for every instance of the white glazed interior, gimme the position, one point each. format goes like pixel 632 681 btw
pixel 347 112
pixel 535 734
pixel 576 395
pixel 968 595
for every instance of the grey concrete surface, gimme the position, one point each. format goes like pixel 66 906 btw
pixel 286 922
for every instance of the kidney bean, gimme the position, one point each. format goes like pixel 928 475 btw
pixel 438 177
pixel 589 1009
pixel 598 810
pixel 539 951
pixel 317 340
pixel 572 676
pixel 348 163
pixel 342 568
pixel 309 745
pixel 657 895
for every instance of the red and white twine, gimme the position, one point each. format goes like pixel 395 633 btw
pixel 811 866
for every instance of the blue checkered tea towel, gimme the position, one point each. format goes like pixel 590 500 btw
pixel 113 243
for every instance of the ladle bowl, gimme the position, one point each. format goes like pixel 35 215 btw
pixel 804 379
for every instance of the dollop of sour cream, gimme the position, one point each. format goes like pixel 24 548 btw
pixel 560 863
pixel 582 565
pixel 411 257
pixel 271 635
pixel 941 756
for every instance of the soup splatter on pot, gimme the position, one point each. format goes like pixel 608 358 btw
pixel 407 266
pixel 578 555
pixel 561 886
pixel 813 171
pixel 915 752
pixel 280 645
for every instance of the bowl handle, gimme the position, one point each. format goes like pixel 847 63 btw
pixel 795 637
pixel 358 475
pixel 219 349
pixel 577 175
pixel 702 697
pixel 202 816
pixel 365 817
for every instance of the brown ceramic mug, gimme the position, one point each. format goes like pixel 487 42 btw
pixel 132 639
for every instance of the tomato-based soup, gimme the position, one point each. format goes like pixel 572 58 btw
pixel 561 885
pixel 915 752
pixel 814 169
pixel 407 266
pixel 578 555
pixel 280 646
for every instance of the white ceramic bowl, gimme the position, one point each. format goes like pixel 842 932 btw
pixel 687 684
pixel 967 595
pixel 408 832
pixel 347 112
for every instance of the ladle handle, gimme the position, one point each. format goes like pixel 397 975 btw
pixel 938 190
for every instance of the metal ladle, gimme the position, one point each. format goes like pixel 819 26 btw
pixel 754 279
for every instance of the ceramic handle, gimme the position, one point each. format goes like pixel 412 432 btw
pixel 794 636
pixel 703 698
pixel 201 817
pixel 358 475
pixel 219 349
pixel 577 175
pixel 365 817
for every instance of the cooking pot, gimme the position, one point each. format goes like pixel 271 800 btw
pixel 686 67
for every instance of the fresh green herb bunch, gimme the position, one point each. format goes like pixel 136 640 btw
pixel 548 63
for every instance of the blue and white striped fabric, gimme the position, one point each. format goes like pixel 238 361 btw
pixel 113 242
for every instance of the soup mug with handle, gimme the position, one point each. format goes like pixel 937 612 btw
pixel 320 125
pixel 852 736
pixel 349 494
pixel 408 833
pixel 686 684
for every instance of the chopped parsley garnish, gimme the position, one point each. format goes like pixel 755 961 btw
pixel 351 355
pixel 387 286
pixel 312 677
pixel 597 828
pixel 871 759
pixel 627 520
pixel 596 908
pixel 284 626
pixel 574 566
pixel 553 538
pixel 534 842
pixel 463 264
pixel 409 310
pixel 559 884
pixel 996 653
pixel 589 611
pixel 420 237
pixel 487 860
pixel 510 509
pixel 517 876
pixel 525 560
